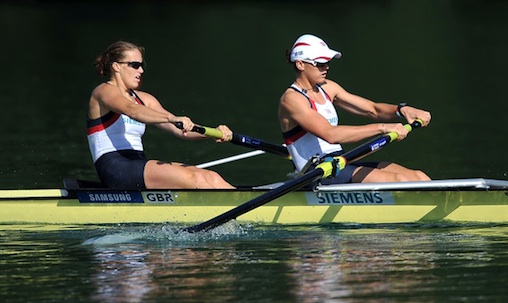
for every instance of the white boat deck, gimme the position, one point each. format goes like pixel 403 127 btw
pixel 448 184
pixel 477 183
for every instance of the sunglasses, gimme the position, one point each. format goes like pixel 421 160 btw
pixel 316 64
pixel 133 64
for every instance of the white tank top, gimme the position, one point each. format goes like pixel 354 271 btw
pixel 114 132
pixel 301 144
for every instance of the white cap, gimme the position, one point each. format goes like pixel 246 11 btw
pixel 310 47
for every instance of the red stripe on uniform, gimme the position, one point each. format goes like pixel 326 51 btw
pixel 294 138
pixel 104 125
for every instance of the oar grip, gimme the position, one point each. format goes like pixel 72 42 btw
pixel 207 131
pixel 212 132
pixel 416 124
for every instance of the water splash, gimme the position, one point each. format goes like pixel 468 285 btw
pixel 167 234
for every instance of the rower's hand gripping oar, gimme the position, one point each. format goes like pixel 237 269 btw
pixel 242 140
pixel 330 166
pixel 377 143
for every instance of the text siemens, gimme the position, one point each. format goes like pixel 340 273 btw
pixel 350 198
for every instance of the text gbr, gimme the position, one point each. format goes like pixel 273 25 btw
pixel 125 197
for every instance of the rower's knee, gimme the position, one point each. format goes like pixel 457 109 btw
pixel 209 179
pixel 414 175
pixel 421 176
pixel 402 177
pixel 213 178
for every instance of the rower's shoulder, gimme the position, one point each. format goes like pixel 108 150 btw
pixel 291 94
pixel 104 88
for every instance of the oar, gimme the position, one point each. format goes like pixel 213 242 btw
pixel 231 158
pixel 254 143
pixel 242 140
pixel 330 166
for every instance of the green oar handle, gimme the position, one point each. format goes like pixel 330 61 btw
pixel 207 131
pixel 417 123
pixel 242 140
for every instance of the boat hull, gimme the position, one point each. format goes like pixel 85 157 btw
pixel 326 205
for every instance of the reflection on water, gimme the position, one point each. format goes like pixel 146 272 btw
pixel 122 276
pixel 330 263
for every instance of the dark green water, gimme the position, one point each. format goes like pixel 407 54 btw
pixel 223 62
pixel 335 263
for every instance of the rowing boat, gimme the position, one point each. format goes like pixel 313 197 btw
pixel 455 200
pixel 296 201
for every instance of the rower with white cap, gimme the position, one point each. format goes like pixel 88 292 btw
pixel 310 124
